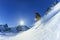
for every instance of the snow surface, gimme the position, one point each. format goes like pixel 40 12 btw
pixel 48 28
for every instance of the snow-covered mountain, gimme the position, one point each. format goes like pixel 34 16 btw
pixel 5 30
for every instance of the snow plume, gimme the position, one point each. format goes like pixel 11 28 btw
pixel 48 28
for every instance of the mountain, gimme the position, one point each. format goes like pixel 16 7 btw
pixel 22 28
pixel 5 30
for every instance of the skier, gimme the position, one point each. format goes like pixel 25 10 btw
pixel 37 16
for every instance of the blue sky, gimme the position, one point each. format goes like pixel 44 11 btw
pixel 12 11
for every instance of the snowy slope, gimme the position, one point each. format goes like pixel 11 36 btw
pixel 48 28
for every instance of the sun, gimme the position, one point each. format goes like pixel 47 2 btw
pixel 22 23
